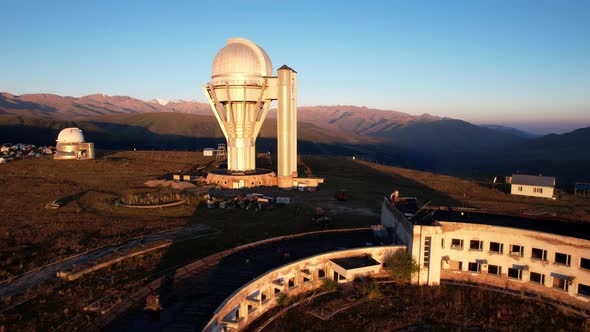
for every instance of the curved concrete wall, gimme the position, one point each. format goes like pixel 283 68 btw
pixel 253 299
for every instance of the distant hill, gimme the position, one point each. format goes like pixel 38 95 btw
pixel 54 106
pixel 400 130
pixel 165 131
pixel 360 120
pixel 395 129
pixel 566 156
pixel 515 131
pixel 569 146
pixel 422 142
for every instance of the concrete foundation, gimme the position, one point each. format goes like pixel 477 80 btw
pixel 258 178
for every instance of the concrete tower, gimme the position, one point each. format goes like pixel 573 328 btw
pixel 287 127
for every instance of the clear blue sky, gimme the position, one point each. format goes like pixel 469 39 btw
pixel 523 63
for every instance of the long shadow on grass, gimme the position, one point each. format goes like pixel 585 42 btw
pixel 74 197
pixel 193 302
pixel 367 184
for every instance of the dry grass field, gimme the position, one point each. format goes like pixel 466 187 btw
pixel 31 235
pixel 483 196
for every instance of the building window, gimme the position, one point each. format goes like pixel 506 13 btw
pixel 537 278
pixel 321 274
pixel 538 190
pixel 427 242
pixel 291 283
pixel 494 270
pixel 515 273
pixel 564 259
pixel 583 290
pixel 442 242
pixel 338 276
pixel 306 280
pixel 516 250
pixel 457 244
pixel 585 263
pixel 475 245
pixel 497 247
pixel 474 267
pixel 561 284
pixel 264 296
pixel 539 254
pixel 519 188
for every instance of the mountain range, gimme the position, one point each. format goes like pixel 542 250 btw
pixel 416 141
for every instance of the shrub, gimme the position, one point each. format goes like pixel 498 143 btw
pixel 329 285
pixel 284 300
pixel 370 288
pixel 400 265
pixel 151 198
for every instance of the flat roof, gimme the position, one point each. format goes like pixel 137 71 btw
pixel 553 225
pixel 355 262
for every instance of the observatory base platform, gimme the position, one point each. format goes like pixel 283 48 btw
pixel 236 180
pixel 260 177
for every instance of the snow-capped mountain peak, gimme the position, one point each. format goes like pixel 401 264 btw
pixel 160 101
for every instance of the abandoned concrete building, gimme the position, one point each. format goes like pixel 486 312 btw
pixel 548 257
pixel 253 299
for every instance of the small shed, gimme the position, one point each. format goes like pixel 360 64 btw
pixel 208 152
pixel 532 185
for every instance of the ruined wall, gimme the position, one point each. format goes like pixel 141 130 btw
pixel 392 218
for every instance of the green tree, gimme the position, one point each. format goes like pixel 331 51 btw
pixel 400 265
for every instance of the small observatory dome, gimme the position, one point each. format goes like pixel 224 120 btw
pixel 70 135
pixel 240 60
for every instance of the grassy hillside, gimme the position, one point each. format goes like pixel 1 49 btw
pixel 164 131
pixel 31 235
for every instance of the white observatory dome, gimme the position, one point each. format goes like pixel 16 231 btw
pixel 240 60
pixel 70 135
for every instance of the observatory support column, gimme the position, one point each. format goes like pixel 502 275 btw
pixel 286 127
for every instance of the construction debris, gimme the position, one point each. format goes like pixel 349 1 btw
pixel 152 303
pixel 321 218
pixel 103 305
pixel 248 201
pixel 54 205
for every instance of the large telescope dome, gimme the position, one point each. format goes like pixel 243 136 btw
pixel 239 61
pixel 70 135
